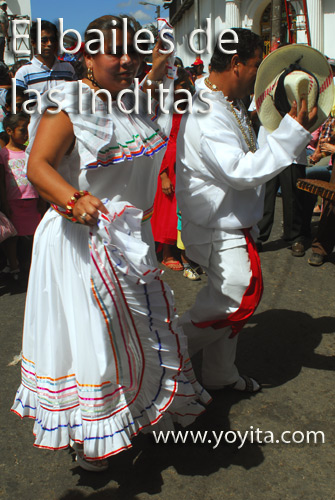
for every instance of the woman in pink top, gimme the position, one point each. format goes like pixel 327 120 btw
pixel 18 197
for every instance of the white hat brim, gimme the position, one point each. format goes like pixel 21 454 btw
pixel 274 64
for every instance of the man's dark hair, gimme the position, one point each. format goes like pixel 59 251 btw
pixel 45 26
pixel 19 93
pixel 12 120
pixel 4 74
pixel 248 43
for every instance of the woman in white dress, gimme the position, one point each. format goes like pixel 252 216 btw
pixel 102 358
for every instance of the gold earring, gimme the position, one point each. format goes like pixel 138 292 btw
pixel 90 77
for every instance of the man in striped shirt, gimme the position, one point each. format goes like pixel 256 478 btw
pixel 44 71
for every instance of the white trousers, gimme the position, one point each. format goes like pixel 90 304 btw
pixel 228 278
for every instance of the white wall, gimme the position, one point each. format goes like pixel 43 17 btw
pixel 20 8
pixel 213 9
pixel 329 27
pixel 250 15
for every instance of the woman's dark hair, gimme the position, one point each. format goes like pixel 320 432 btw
pixel 178 62
pixel 106 24
pixel 183 76
pixel 16 66
pixel 248 43
pixel 12 120
pixel 4 74
pixel 4 137
pixel 45 26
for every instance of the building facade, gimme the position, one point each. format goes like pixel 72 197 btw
pixel 217 15
pixel 18 10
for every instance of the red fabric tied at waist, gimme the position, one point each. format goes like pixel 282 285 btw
pixel 250 299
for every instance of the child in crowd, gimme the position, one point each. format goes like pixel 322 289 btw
pixel 19 199
pixel 6 107
pixel 20 98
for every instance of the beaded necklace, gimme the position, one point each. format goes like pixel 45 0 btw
pixel 249 140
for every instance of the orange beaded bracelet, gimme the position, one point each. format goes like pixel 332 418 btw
pixel 72 201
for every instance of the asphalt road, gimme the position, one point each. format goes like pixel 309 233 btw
pixel 288 346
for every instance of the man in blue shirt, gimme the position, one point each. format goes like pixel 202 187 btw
pixel 44 71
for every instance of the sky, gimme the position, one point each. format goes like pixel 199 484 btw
pixel 77 14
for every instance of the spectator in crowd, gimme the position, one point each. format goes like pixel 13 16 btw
pixel 293 204
pixel 164 219
pixel 324 242
pixel 198 67
pixel 178 62
pixel 316 170
pixel 16 66
pixel 20 98
pixel 19 199
pixel 3 29
pixel 5 84
pixel 44 71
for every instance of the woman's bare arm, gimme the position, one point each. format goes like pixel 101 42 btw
pixel 53 140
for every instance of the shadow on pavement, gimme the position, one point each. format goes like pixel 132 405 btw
pixel 139 469
pixel 273 348
pixel 278 343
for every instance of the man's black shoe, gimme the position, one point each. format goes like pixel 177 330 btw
pixel 298 249
pixel 316 259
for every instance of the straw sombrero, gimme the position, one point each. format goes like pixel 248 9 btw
pixel 287 74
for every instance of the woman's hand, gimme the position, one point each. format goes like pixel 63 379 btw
pixel 315 157
pixel 167 186
pixel 159 61
pixel 87 209
pixel 327 147
pixel 303 117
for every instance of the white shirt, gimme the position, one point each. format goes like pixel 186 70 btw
pixel 219 182
pixel 36 75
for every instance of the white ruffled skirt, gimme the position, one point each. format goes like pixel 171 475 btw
pixel 102 358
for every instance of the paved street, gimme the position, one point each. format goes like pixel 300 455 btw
pixel 288 346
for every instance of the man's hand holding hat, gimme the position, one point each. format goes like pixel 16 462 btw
pixel 305 118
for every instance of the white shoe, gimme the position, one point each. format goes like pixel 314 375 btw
pixel 243 384
pixel 191 274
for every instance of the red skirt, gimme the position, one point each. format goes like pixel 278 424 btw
pixel 164 220
pixel 25 216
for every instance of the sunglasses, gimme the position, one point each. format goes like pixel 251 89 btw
pixel 46 39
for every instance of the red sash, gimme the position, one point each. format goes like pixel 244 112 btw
pixel 250 299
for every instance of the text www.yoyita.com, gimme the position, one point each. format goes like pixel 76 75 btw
pixel 239 437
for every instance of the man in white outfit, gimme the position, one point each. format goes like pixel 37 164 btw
pixel 220 173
